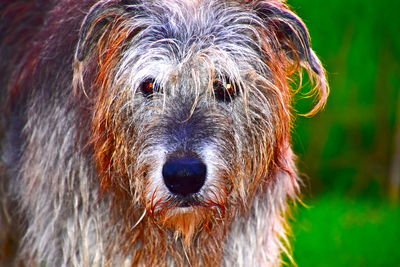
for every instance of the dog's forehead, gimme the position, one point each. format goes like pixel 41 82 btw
pixel 184 35
pixel 199 17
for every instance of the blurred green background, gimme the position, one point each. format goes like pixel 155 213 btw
pixel 347 152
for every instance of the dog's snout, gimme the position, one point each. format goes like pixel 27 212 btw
pixel 184 176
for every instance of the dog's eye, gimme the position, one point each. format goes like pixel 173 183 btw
pixel 225 91
pixel 148 87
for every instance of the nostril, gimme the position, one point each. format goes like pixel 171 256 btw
pixel 184 176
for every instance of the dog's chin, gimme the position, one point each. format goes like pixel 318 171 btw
pixel 184 216
pixel 185 222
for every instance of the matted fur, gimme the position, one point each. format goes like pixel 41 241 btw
pixel 83 147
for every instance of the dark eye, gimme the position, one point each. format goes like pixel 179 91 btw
pixel 225 91
pixel 148 87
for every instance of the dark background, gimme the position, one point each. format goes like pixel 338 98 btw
pixel 347 153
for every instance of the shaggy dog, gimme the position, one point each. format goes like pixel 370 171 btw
pixel 151 133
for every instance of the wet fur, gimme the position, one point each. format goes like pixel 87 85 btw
pixel 82 148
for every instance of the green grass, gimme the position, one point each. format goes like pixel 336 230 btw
pixel 335 231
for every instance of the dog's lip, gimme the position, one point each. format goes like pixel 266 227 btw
pixel 187 202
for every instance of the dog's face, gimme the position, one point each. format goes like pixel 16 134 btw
pixel 192 103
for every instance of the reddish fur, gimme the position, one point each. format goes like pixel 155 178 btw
pixel 207 226
pixel 111 156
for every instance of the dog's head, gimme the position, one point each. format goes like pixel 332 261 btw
pixel 191 103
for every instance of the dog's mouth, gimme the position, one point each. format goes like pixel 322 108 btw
pixel 186 202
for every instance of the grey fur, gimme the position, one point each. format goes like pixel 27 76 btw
pixel 184 46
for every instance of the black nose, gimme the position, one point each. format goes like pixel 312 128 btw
pixel 184 176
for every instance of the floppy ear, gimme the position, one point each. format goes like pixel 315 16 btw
pixel 293 37
pixel 96 22
pixel 291 33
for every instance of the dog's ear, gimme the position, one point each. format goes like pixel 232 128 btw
pixel 293 37
pixel 97 20
pixel 291 33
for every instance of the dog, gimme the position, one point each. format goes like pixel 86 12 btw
pixel 149 133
